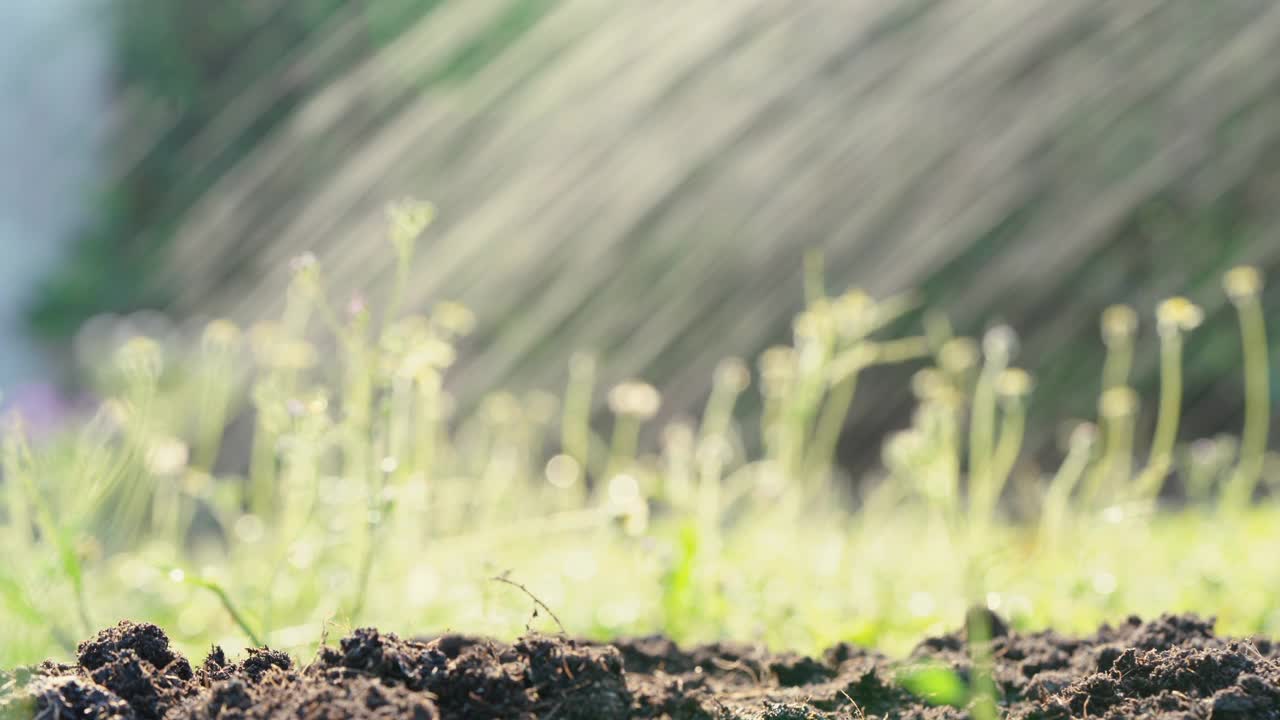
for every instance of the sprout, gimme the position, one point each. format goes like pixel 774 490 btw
pixel 928 384
pixel 816 323
pixel 958 355
pixel 1083 435
pixel 1119 322
pixel 931 386
pixel 677 435
pixel 1118 402
pixel 851 362
pixel 854 313
pixel 1000 343
pixel 903 448
pixel 431 355
pixel 141 356
pixel 166 456
pixel 221 335
pixel 408 219
pixel 454 318
pixel 1178 314
pixel 306 273
pixel 1014 383
pixel 115 412
pixel 1242 283
pixel 635 399
pixel 714 450
pixel 306 262
pixel 274 349
pixel 777 367
pixel 733 375
pixel 198 484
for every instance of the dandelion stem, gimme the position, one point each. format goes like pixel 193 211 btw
pixel 1257 402
pixel 1152 477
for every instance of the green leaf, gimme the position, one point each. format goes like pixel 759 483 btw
pixel 936 685
pixel 16 601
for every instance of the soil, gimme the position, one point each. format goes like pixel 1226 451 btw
pixel 1171 667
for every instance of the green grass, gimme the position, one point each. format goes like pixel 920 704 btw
pixel 361 498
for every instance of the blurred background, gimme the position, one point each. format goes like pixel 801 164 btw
pixel 643 179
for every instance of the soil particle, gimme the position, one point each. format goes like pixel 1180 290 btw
pixel 574 682
pixel 1173 667
pixel 384 656
pixel 65 698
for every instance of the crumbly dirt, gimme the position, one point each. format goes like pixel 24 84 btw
pixel 1170 667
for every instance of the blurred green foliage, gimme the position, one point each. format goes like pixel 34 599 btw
pixel 190 61
pixel 1177 223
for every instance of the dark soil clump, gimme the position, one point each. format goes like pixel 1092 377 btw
pixel 1171 667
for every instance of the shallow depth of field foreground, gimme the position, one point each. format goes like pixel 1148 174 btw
pixel 288 484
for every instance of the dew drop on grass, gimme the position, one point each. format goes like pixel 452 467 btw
pixel 389 464
pixel 177 575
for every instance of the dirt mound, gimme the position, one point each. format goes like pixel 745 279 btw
pixel 1171 667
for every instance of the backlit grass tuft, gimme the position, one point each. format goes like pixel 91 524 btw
pixel 238 485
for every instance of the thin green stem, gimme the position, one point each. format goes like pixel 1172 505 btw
pixel 1117 364
pixel 236 616
pixel 1152 477
pixel 830 422
pixel 622 448
pixel 20 458
pixel 1257 404
pixel 1012 429
pixel 1057 498
pixel 982 420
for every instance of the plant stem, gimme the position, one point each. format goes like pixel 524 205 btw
pixel 1012 427
pixel 1058 497
pixel 982 419
pixel 830 422
pixel 1257 403
pixel 1152 477
pixel 230 607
